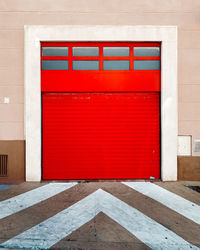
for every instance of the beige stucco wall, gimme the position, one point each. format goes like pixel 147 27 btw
pixel 15 14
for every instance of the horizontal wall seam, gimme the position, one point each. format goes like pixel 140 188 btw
pixel 137 10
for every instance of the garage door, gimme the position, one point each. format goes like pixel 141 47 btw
pixel 101 110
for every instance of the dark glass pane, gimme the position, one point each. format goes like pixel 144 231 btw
pixel 146 65
pixel 54 65
pixel 85 65
pixel 116 65
pixel 55 51
pixel 146 51
pixel 85 51
pixel 116 51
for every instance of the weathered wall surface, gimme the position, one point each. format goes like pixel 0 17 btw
pixel 16 160
pixel 15 14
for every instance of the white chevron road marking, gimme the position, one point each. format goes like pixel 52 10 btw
pixel 51 231
pixel 173 201
pixel 30 198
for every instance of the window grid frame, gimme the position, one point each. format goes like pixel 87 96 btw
pixel 101 58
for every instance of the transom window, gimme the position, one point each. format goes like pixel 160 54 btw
pixel 100 56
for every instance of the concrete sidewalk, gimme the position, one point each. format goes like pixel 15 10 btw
pixel 100 215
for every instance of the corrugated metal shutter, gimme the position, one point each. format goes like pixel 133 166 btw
pixel 101 135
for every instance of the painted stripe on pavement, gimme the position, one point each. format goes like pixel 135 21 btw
pixel 144 228
pixel 173 201
pixel 51 231
pixel 30 198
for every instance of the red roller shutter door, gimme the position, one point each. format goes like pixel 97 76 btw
pixel 100 124
pixel 101 136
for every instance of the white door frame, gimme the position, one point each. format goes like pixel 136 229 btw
pixel 167 35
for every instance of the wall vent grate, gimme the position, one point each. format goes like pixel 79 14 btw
pixel 3 165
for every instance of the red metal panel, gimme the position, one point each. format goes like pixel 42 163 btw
pixel 101 136
pixel 100 80
pixel 94 44
pixel 87 81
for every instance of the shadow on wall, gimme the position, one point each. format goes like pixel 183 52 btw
pixel 189 168
pixel 12 164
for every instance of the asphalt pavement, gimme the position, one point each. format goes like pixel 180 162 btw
pixel 100 215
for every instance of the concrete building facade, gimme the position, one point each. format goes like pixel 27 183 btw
pixel 109 21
